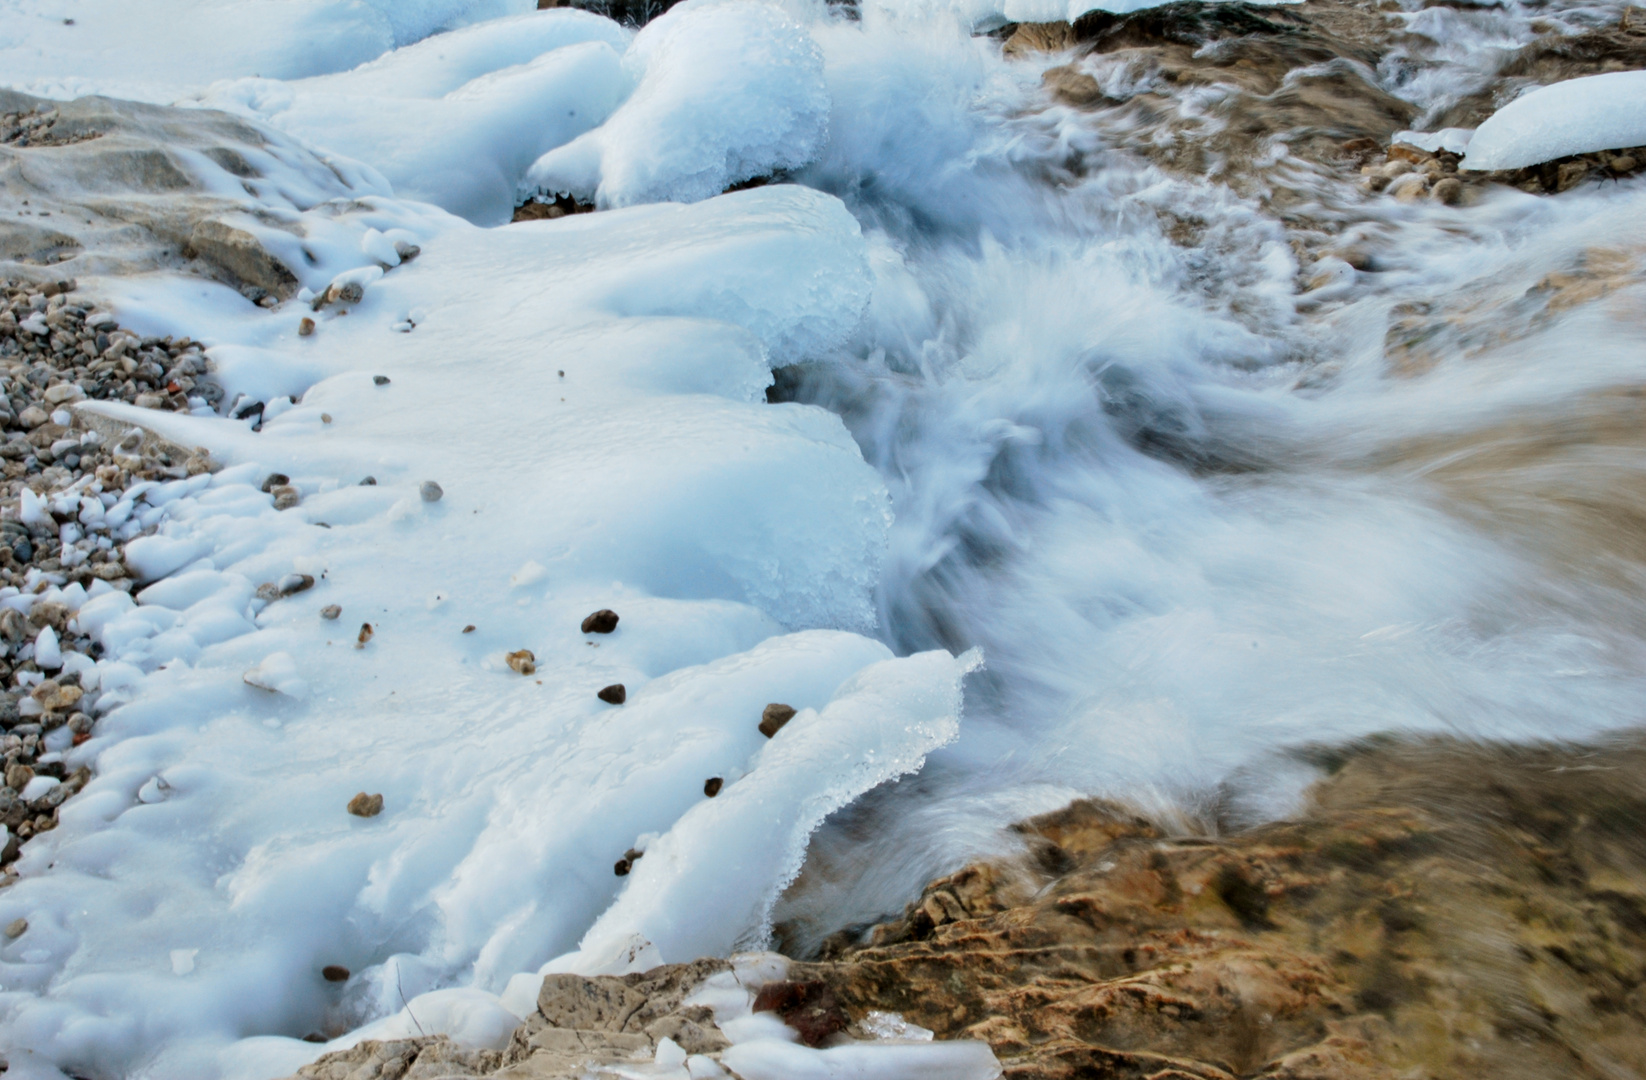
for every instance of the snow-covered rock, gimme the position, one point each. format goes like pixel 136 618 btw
pixel 1597 112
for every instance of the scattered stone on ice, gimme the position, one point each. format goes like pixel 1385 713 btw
pixel 613 694
pixel 430 491
pixel 712 786
pixel 331 611
pixel 380 380
pixel 773 717
pixel 469 629
pixel 306 327
pixel 337 972
pixel 366 633
pixel 292 584
pixel 363 805
pixel 17 928
pixel 523 661
pixel 603 621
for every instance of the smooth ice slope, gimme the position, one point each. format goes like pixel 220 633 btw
pixel 593 451
pixel 727 91
pixel 158 49
pixel 455 120
pixel 1597 112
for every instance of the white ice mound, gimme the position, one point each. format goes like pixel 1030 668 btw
pixel 726 92
pixel 455 120
pixel 1597 112
pixel 707 885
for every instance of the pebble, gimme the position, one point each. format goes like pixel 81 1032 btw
pixel 17 928
pixel 430 491
pixel 773 717
pixel 274 480
pixel 365 635
pixel 1448 191
pixel 380 380
pixel 523 661
pixel 306 327
pixel 613 694
pixel 337 972
pixel 621 869
pixel 331 611
pixel 286 497
pixel 603 621
pixel 363 805
pixel 712 786
pixel 18 776
pixel 469 629
pixel 292 584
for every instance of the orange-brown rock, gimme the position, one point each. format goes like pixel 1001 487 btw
pixel 1441 911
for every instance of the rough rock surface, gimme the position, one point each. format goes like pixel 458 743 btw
pixel 1440 910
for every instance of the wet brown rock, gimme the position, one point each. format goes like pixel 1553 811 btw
pixel 305 327
pixel 363 805
pixel 808 1007
pixel 773 717
pixel 523 661
pixel 712 786
pixel 1440 910
pixel 615 694
pixel 334 973
pixel 603 621
pixel 365 635
pixel 17 928
pixel 18 776
pixel 331 611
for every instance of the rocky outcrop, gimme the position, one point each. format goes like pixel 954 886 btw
pixel 1441 910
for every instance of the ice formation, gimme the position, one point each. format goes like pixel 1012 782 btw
pixel 590 393
pixel 1596 112
pixel 727 91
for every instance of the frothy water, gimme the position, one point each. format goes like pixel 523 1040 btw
pixel 1195 520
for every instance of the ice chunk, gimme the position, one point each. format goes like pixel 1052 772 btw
pixel 728 92
pixel 1597 112
pixel 1453 140
pixel 47 653
pixel 708 884
pixel 772 1059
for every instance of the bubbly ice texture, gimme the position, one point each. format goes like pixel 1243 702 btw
pixel 1596 112
pixel 727 91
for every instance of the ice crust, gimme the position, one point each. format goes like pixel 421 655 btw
pixel 592 450
pixel 457 119
pixel 727 91
pixel 1578 116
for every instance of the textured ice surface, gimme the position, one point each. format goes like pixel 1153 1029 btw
pixel 727 91
pixel 455 120
pixel 1597 112
pixel 154 50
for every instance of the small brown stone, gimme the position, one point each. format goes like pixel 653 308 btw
pixel 469 629
pixel 18 776
pixel 274 480
pixel 613 694
pixel 712 786
pixel 603 621
pixel 366 633
pixel 306 327
pixel 17 928
pixel 621 869
pixel 286 497
pixel 524 661
pixel 363 805
pixel 1448 191
pixel 331 611
pixel 773 717
pixel 335 972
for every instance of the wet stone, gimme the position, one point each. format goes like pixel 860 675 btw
pixel 712 786
pixel 614 694
pixel 330 611
pixel 603 621
pixel 363 805
pixel 523 661
pixel 336 973
pixel 773 717
pixel 430 491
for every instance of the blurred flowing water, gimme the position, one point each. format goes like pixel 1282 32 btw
pixel 1198 514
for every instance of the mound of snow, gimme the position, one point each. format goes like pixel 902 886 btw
pixel 457 119
pixel 1597 112
pixel 726 92
pixel 985 13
